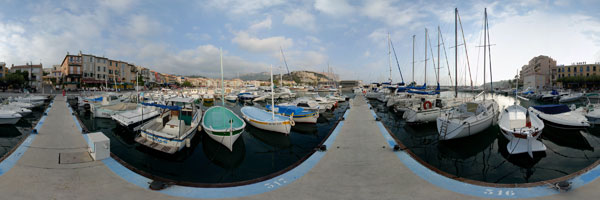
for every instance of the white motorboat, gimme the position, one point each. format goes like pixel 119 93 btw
pixel 9 117
pixel 467 119
pixel 108 111
pixel 560 115
pixel 21 104
pixel 133 118
pixel 21 111
pixel 34 100
pixel 306 104
pixel 570 98
pixel 174 128
pixel 522 128
pixel 591 112
pixel 231 98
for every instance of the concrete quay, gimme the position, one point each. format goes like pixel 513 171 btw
pixel 358 164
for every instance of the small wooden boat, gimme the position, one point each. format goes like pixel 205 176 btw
pixel 522 128
pixel 267 120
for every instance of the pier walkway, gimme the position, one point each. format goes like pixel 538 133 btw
pixel 358 165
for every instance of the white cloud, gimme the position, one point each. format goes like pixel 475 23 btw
pixel 242 7
pixel 257 45
pixel 392 13
pixel 335 8
pixel 265 24
pixel 202 60
pixel 119 5
pixel 301 19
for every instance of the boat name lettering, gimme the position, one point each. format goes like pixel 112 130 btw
pixel 158 139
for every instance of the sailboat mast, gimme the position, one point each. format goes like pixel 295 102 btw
pixel 438 51
pixel 455 52
pixel 390 57
pixel 272 95
pixel 413 61
pixel 484 46
pixel 489 51
pixel 222 82
pixel 425 82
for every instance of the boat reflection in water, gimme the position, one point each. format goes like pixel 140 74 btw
pixel 271 138
pixel 571 138
pixel 221 156
pixel 9 131
pixel 522 160
pixel 467 147
pixel 306 129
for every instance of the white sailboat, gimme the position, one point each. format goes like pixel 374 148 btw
pixel 471 117
pixel 267 120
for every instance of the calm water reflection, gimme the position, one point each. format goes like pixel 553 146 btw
pixel 484 156
pixel 256 154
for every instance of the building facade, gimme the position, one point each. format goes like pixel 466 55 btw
pixel 540 73
pixel 3 70
pixel 36 73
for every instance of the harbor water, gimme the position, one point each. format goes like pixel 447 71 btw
pixel 12 135
pixel 256 154
pixel 484 156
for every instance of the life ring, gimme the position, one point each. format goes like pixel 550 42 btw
pixel 427 105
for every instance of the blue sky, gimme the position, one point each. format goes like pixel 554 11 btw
pixel 183 37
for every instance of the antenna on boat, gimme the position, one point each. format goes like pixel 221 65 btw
pixel 222 82
pixel 272 96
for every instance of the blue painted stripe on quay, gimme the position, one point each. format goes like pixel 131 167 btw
pixel 476 190
pixel 229 192
pixel 12 159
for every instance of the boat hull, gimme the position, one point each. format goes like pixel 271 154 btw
pixel 421 116
pixel 11 121
pixel 460 130
pixel 227 139
pixel 281 127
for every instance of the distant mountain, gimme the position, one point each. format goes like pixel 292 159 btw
pixel 305 77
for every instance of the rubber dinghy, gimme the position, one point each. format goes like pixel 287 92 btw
pixel 223 126
pixel 560 115
pixel 522 128
pixel 267 120
pixel 298 114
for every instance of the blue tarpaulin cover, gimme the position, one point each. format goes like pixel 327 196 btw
pixel 288 110
pixel 553 109
pixel 162 106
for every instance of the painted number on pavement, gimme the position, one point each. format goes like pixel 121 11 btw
pixel 499 192
pixel 275 183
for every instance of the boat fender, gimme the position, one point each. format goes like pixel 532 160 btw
pixel 427 105
pixel 187 143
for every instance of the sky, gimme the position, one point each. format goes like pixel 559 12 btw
pixel 184 37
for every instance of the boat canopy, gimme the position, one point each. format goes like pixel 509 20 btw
pixel 181 99
pixel 553 109
pixel 417 87
pixel 162 106
pixel 289 110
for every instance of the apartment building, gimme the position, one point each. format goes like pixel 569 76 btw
pixel 540 73
pixel 578 69
pixel 35 72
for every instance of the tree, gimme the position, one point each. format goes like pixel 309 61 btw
pixel 186 84
pixel 140 80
